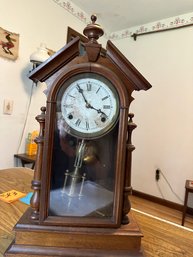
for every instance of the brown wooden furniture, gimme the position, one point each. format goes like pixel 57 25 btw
pixel 71 34
pixel 26 159
pixel 20 180
pixel 63 221
pixel 153 240
pixel 188 189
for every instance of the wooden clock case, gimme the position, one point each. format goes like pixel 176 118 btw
pixel 38 233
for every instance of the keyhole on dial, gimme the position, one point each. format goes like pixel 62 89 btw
pixel 70 116
pixel 103 119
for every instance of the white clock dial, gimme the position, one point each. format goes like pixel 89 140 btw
pixel 89 106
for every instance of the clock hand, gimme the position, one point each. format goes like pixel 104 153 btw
pixel 104 116
pixel 80 90
pixel 98 110
pixel 88 105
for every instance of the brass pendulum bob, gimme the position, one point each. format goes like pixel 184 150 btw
pixel 74 181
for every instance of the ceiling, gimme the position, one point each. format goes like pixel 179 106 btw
pixel 122 14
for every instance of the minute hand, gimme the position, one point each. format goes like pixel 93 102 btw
pixel 88 105
pixel 80 90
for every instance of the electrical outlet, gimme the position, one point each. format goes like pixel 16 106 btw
pixel 8 106
pixel 157 174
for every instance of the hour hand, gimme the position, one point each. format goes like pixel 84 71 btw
pixel 88 105
pixel 98 110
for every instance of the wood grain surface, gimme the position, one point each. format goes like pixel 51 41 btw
pixel 164 239
pixel 160 238
pixel 160 211
pixel 20 180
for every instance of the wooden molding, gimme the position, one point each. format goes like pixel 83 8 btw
pixel 161 201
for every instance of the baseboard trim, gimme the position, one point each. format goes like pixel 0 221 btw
pixel 161 201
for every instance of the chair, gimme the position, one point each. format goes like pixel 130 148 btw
pixel 188 189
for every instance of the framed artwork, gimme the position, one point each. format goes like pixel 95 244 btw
pixel 9 44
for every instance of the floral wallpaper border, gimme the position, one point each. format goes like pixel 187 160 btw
pixel 74 10
pixel 173 22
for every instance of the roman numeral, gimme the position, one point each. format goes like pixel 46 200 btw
pixel 87 125
pixel 77 123
pixel 106 107
pixel 98 90
pixel 89 86
pixel 68 105
pixel 104 98
pixel 71 96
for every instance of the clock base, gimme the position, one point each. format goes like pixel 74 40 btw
pixel 33 240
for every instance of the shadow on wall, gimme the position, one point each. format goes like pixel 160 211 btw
pixel 27 83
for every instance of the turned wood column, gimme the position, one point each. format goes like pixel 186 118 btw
pixel 127 187
pixel 36 182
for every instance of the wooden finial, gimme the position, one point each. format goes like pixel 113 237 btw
pixel 131 115
pixel 93 18
pixel 93 30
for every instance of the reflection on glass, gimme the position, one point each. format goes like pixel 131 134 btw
pixel 83 174
pixel 82 182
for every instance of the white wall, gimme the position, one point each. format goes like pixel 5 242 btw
pixel 164 114
pixel 36 21
pixel 164 136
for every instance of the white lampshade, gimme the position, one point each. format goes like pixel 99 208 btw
pixel 40 55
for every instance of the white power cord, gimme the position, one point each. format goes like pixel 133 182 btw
pixel 26 117
pixel 172 190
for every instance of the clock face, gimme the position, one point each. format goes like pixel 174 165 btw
pixel 89 105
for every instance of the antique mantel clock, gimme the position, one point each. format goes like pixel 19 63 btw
pixel 80 205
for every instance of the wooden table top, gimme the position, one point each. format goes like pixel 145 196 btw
pixel 26 157
pixel 20 180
